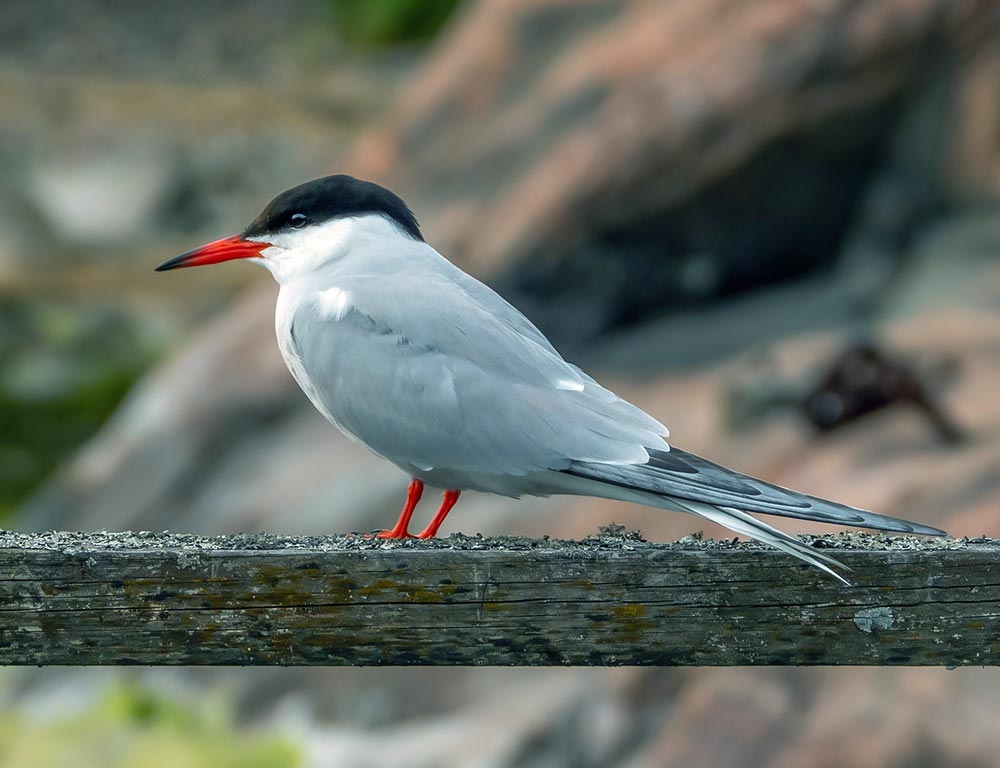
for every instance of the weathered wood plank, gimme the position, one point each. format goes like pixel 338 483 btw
pixel 613 599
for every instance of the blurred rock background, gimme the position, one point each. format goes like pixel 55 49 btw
pixel 774 225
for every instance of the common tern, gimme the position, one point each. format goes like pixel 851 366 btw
pixel 435 372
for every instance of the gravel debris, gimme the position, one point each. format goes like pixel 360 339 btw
pixel 611 537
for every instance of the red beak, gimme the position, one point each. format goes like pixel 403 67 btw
pixel 226 249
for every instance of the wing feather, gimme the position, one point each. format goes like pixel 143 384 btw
pixel 682 475
pixel 431 375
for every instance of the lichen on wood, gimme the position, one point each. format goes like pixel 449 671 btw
pixel 611 599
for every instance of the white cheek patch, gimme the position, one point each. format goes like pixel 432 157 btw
pixel 297 252
pixel 323 240
pixel 335 302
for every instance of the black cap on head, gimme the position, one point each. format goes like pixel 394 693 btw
pixel 328 198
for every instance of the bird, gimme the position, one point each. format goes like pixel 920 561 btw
pixel 435 372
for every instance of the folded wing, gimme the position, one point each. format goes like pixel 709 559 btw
pixel 430 374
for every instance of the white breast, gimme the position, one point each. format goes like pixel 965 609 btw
pixel 290 298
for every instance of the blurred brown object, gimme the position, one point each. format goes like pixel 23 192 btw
pixel 865 378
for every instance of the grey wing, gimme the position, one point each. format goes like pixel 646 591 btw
pixel 427 374
pixel 682 475
pixel 507 313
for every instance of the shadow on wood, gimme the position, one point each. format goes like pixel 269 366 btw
pixel 613 599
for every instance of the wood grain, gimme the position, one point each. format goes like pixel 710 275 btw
pixel 613 599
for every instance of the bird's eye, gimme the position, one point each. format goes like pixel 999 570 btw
pixel 297 220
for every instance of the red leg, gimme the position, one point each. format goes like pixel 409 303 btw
pixel 449 500
pixel 399 531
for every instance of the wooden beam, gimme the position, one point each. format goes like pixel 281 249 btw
pixel 142 598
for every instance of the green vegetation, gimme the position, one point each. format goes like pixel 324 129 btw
pixel 131 727
pixel 383 23
pixel 63 369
